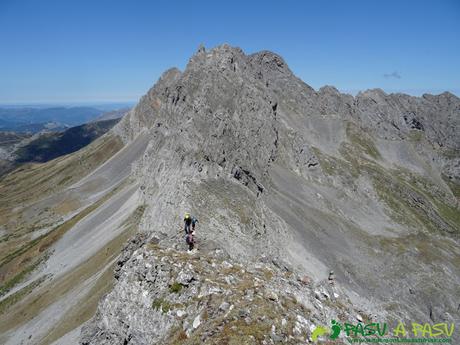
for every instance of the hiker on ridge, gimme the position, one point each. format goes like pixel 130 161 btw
pixel 189 228
pixel 187 223
pixel 194 221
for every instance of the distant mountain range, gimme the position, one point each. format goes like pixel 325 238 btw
pixel 35 119
pixel 52 145
pixel 22 142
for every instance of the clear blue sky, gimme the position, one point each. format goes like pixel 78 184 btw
pixel 59 51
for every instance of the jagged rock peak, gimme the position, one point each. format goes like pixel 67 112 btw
pixel 224 80
pixel 170 74
pixel 226 57
pixel 329 89
pixel 372 93
pixel 220 55
pixel 269 59
pixel 201 48
pixel 446 98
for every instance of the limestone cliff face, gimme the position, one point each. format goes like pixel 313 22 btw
pixel 318 180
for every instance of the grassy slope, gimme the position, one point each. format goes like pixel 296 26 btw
pixel 20 250
pixel 29 255
pixel 395 187
pixel 428 213
pixel 33 181
pixel 33 299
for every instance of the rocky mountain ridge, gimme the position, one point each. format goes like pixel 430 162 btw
pixel 207 298
pixel 363 185
pixel 283 179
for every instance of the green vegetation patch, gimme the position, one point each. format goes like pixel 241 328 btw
pixel 362 140
pixel 400 211
pixel 334 166
pixel 175 287
pixel 161 304
pixel 12 282
pixel 17 296
pixel 415 135
pixel 450 214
